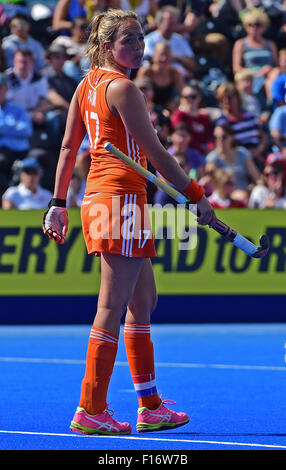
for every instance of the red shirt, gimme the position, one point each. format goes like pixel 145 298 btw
pixel 200 129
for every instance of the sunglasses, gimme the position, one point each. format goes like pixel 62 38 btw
pixel 273 172
pixel 19 24
pixel 190 97
pixel 221 137
pixel 255 25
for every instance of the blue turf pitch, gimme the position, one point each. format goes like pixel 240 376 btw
pixel 231 379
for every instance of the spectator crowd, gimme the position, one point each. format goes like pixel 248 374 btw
pixel 214 76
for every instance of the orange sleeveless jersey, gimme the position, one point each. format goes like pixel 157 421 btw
pixel 108 173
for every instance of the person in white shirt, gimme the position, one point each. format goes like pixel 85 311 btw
pixel 28 194
pixel 20 38
pixel 182 54
pixel 271 195
pixel 28 88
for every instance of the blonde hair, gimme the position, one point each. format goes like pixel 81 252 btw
pixel 103 29
pixel 221 176
pixel 256 15
pixel 243 74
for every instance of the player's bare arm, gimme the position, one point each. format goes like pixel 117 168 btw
pixel 74 134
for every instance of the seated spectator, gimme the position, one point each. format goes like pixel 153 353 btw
pixel 15 130
pixel 277 157
pixel 244 84
pixel 273 193
pixel 228 155
pixel 75 46
pixel 182 53
pixel 245 124
pixel 67 10
pixel 277 126
pixel 192 15
pixel 61 87
pixel 167 80
pixel 21 39
pixel 160 121
pixel 224 186
pixel 28 194
pixel 190 113
pixel 182 145
pixel 277 81
pixel 254 52
pixel 27 87
pixel 207 179
pixel 146 10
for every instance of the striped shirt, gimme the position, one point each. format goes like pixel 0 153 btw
pixel 246 128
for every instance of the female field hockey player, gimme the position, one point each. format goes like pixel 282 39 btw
pixel 110 108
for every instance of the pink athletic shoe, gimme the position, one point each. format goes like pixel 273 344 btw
pixel 102 423
pixel 161 418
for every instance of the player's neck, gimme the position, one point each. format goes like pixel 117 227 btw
pixel 113 67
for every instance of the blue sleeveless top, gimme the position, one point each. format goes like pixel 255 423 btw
pixel 254 58
pixel 75 9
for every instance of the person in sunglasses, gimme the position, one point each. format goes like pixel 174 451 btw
pixel 191 113
pixel 20 38
pixel 254 52
pixel 271 194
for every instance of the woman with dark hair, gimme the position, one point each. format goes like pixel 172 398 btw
pixel 191 113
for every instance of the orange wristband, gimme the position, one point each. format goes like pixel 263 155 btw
pixel 194 191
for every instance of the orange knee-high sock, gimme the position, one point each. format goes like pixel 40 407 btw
pixel 101 353
pixel 140 355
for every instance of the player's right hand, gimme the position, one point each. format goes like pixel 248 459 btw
pixel 55 223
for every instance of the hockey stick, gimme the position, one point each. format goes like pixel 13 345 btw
pixel 227 232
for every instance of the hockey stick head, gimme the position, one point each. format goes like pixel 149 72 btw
pixel 263 249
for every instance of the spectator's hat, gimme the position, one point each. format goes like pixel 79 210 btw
pixel 274 158
pixel 56 49
pixel 3 79
pixel 30 164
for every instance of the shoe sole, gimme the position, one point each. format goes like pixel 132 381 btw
pixel 145 427
pixel 76 427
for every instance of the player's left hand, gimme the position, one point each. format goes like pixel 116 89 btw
pixel 55 223
pixel 206 212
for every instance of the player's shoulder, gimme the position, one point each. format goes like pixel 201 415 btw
pixel 123 85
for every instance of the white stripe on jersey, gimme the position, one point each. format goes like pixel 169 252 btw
pixel 129 221
pixel 133 222
pixel 133 148
pixel 124 224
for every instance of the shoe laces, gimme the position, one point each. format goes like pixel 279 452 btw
pixel 168 402
pixel 108 410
